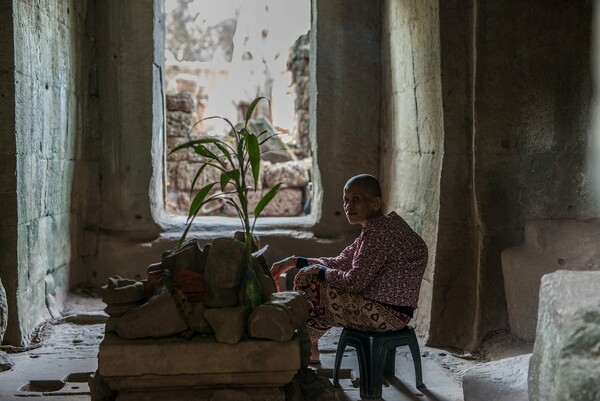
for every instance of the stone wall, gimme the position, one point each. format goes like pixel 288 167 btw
pixel 516 89
pixel 298 64
pixel 48 74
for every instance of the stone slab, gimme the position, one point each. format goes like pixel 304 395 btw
pixel 253 394
pixel 199 361
pixel 565 364
pixel 502 380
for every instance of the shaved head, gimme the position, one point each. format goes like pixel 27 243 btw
pixel 369 183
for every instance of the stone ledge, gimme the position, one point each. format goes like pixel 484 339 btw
pixel 199 361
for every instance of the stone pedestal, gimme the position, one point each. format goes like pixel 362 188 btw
pixel 179 369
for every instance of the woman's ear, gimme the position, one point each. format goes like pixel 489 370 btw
pixel 377 203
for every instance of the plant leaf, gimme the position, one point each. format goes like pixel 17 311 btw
pixel 222 147
pixel 260 252
pixel 227 176
pixel 264 201
pixel 199 200
pixel 252 107
pixel 180 242
pixel 204 151
pixel 200 170
pixel 254 156
pixel 267 138
pixel 190 144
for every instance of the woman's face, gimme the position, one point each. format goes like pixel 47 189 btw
pixel 359 205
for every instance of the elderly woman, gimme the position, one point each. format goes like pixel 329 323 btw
pixel 373 285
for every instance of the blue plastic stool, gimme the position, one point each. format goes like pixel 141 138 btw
pixel 377 356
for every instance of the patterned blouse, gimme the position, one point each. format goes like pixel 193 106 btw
pixel 385 263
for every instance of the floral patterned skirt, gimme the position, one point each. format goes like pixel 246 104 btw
pixel 331 306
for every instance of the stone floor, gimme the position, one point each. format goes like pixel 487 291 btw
pixel 58 369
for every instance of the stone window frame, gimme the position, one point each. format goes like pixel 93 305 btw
pixel 131 77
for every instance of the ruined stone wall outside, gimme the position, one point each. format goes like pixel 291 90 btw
pixel 412 133
pixel 51 65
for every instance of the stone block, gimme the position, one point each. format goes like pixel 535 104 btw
pixel 196 320
pixel 188 257
pixel 292 174
pixel 223 272
pixel 150 363
pixel 120 290
pixel 118 310
pixel 180 102
pixel 549 245
pixel 111 324
pixel 229 324
pixel 270 322
pixel 502 380
pixel 278 318
pixel 565 363
pixel 295 303
pixel 202 394
pixel 159 317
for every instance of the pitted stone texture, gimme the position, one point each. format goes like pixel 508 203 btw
pixel 565 364
pixel 503 380
pixel 159 317
pixel 229 324
pixel 549 245
pixel 223 272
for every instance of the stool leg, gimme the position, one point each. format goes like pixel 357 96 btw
pixel 390 362
pixel 339 353
pixel 413 344
pixel 372 374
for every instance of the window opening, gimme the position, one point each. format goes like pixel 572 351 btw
pixel 219 56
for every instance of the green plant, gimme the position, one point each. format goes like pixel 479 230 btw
pixel 236 162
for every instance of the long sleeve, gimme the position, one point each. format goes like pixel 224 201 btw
pixel 369 258
pixel 341 262
pixel 385 263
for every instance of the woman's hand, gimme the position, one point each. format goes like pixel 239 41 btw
pixel 311 270
pixel 283 266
